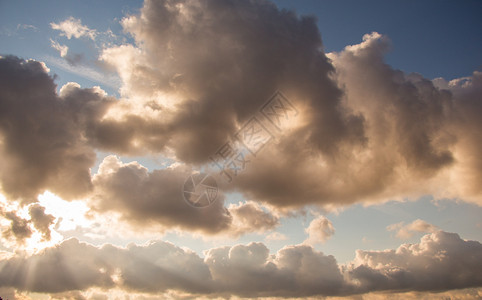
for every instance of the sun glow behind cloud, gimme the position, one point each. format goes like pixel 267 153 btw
pixel 191 77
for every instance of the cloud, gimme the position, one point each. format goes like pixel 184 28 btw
pixel 43 134
pixel 211 65
pixel 73 27
pixel 276 236
pixel 368 132
pixel 406 231
pixel 147 198
pixel 440 262
pixel 155 198
pixel 63 49
pixel 365 131
pixel 19 227
pixel 413 127
pixel 249 271
pixel 319 230
pixel 250 217
pixel 41 221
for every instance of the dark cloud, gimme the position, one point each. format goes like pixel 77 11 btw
pixel 250 271
pixel 413 132
pixel 40 220
pixel 441 261
pixel 406 231
pixel 69 266
pixel 145 197
pixel 319 230
pixel 155 198
pixel 365 131
pixel 250 217
pixel 43 145
pixel 19 227
pixel 197 73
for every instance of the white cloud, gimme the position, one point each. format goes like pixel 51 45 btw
pixel 63 49
pixel 276 236
pixel 319 230
pixel 73 27
pixel 406 231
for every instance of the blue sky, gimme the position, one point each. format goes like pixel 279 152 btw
pixel 142 60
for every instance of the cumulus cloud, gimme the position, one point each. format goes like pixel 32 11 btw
pixel 212 64
pixel 147 198
pixel 73 27
pixel 155 198
pixel 440 262
pixel 366 131
pixel 406 231
pixel 319 230
pixel 199 71
pixel 250 217
pixel 43 135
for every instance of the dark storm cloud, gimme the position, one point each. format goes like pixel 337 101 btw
pixel 440 262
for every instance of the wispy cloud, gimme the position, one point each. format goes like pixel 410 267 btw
pixel 73 27
pixel 110 80
pixel 406 231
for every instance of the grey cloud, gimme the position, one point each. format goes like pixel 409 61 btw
pixel 40 220
pixel 413 132
pixel 155 198
pixel 220 61
pixel 73 265
pixel 43 134
pixel 69 266
pixel 440 262
pixel 19 227
pixel 468 104
pixel 145 197
pixel 319 230
pixel 250 217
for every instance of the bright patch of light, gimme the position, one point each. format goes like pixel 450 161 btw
pixel 69 213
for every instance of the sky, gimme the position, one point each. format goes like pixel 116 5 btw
pixel 240 149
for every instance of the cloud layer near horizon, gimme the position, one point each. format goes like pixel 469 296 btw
pixel 197 72
pixel 441 261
